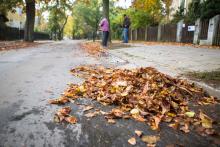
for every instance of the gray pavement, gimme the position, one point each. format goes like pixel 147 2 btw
pixel 31 76
pixel 171 59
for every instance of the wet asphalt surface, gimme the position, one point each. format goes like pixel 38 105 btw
pixel 30 77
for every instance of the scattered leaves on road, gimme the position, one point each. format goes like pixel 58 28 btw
pixel 63 115
pixel 93 48
pixel 8 45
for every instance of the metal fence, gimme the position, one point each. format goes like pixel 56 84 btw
pixel 8 33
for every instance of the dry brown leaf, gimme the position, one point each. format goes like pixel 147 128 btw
pixel 117 113
pixel 134 111
pixel 205 120
pixel 61 100
pixel 65 110
pixel 87 108
pixel 139 118
pixel 174 125
pixel 132 141
pixel 151 145
pixel 56 118
pixel 103 112
pixel 71 119
pixel 150 139
pixel 156 122
pixel 92 114
pixel 185 128
pixel 138 133
pixel 111 121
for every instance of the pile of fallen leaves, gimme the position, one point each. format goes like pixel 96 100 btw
pixel 142 94
pixel 93 48
pixel 7 45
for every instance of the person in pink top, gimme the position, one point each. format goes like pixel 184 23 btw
pixel 104 25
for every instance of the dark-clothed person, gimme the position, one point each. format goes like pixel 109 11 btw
pixel 126 25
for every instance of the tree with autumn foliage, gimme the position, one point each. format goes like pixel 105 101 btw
pixel 152 7
pixel 167 9
pixel 30 9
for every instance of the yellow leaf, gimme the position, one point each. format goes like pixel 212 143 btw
pixel 150 139
pixel 124 94
pixel 205 120
pixel 190 114
pixel 171 114
pixel 134 111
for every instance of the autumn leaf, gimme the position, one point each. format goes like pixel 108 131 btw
pixel 127 90
pixel 156 122
pixel 56 119
pixel 92 114
pixel 190 114
pixel 71 119
pixel 132 141
pixel 138 133
pixel 120 83
pixel 134 111
pixel 185 128
pixel 65 110
pixel 87 108
pixel 150 139
pixel 139 118
pixel 174 125
pixel 80 90
pixel 205 120
pixel 61 100
pixel 111 121
pixel 117 113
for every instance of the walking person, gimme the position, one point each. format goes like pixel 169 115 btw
pixel 126 25
pixel 104 25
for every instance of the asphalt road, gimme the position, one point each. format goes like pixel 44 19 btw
pixel 30 77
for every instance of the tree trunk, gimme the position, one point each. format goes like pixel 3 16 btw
pixel 106 15
pixel 105 8
pixel 30 19
pixel 64 25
